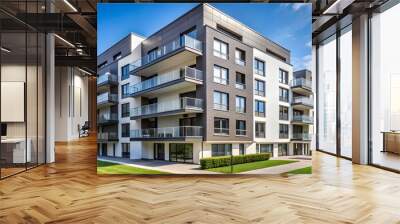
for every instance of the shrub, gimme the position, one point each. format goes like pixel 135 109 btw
pixel 219 161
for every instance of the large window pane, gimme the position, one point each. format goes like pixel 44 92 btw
pixel 327 95
pixel 385 88
pixel 346 92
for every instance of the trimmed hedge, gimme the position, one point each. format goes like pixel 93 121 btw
pixel 220 161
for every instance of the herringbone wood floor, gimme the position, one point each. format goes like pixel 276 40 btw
pixel 69 191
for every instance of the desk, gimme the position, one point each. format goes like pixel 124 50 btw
pixel 391 142
pixel 13 150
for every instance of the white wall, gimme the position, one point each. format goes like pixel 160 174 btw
pixel 71 102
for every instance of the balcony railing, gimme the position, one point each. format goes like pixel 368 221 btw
pixel 186 72
pixel 107 117
pixel 283 135
pixel 107 97
pixel 168 132
pixel 283 99
pixel 302 136
pixel 184 41
pixel 303 100
pixel 178 104
pixel 301 82
pixel 107 136
pixel 241 132
pixel 239 61
pixel 218 106
pixel 221 131
pixel 106 77
pixel 239 85
pixel 303 118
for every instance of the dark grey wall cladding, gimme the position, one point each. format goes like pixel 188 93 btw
pixel 212 17
pixel 173 30
pixel 123 46
pixel 210 86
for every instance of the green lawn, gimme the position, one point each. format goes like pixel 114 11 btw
pixel 305 170
pixel 115 168
pixel 238 168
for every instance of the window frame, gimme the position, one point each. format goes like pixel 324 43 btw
pixel 221 79
pixel 257 112
pixel 259 133
pixel 221 129
pixel 239 131
pixel 217 51
pixel 240 100
pixel 256 85
pixel 256 66
pixel 220 106
pixel 281 95
pixel 125 133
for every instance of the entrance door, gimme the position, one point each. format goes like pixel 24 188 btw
pixel 181 152
pixel 104 149
pixel 298 149
pixel 159 152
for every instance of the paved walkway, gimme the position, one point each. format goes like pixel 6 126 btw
pixel 302 162
pixel 159 165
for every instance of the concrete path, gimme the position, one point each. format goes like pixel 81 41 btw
pixel 282 168
pixel 159 165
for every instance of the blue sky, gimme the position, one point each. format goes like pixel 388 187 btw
pixel 285 23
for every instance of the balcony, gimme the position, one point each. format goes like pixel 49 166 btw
pixel 181 50
pixel 167 133
pixel 107 136
pixel 107 79
pixel 183 105
pixel 172 80
pixel 107 119
pixel 302 136
pixel 301 86
pixel 302 119
pixel 302 103
pixel 106 99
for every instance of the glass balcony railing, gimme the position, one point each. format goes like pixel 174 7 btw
pixel 221 131
pixel 168 132
pixel 303 100
pixel 303 118
pixel 178 104
pixel 301 82
pixel 107 77
pixel 107 117
pixel 186 72
pixel 107 136
pixel 283 135
pixel 184 41
pixel 240 62
pixel 302 136
pixel 107 97
pixel 241 132
pixel 239 85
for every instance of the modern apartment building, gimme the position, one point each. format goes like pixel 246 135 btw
pixel 204 85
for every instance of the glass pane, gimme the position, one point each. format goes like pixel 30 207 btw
pixel 13 86
pixel 346 93
pixel 385 89
pixel 327 95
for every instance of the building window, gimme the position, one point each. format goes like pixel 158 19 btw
pixel 220 49
pixel 221 101
pixel 260 130
pixel 240 104
pixel 259 87
pixel 125 110
pixel 283 94
pixel 240 81
pixel 221 75
pixel 283 131
pixel 125 130
pixel 221 126
pixel 283 113
pixel 221 149
pixel 259 108
pixel 125 90
pixel 124 72
pixel 259 67
pixel 240 57
pixel 102 65
pixel 241 149
pixel 283 149
pixel 240 127
pixel 125 150
pixel 265 148
pixel 283 76
pixel 117 56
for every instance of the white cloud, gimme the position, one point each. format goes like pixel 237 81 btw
pixel 308 44
pixel 297 6
pixel 304 62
